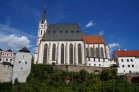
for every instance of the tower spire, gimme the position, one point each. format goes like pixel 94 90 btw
pixel 44 14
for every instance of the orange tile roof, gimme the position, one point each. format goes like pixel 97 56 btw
pixel 127 53
pixel 93 39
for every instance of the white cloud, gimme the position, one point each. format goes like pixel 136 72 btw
pixel 113 46
pixel 7 29
pixel 90 24
pixel 101 33
pixel 14 42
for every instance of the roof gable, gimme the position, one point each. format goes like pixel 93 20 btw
pixel 24 50
pixel 127 53
pixel 93 39
pixel 9 50
pixel 1 49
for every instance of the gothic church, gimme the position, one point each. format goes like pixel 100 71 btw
pixel 65 44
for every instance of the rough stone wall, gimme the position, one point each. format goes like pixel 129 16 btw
pixel 5 73
pixel 22 66
pixel 75 68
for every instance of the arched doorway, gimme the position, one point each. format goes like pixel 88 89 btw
pixel 96 72
pixel 53 63
pixel 135 80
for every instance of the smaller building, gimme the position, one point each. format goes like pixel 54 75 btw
pixel 22 65
pixel 6 65
pixel 7 56
pixel 127 61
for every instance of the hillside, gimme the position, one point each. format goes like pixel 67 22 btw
pixel 43 78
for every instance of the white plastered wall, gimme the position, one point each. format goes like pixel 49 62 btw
pixel 58 51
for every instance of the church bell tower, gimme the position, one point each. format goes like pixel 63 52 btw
pixel 42 27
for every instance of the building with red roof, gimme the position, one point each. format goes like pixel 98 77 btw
pixel 127 61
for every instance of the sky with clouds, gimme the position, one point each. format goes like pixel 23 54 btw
pixel 116 20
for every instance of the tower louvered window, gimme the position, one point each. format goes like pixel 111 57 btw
pixel 71 53
pixel 102 54
pixel 62 54
pixel 53 52
pixel 97 52
pixel 79 54
pixel 91 52
pixel 45 54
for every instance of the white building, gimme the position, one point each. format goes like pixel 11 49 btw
pixel 127 61
pixel 65 44
pixel 22 65
pixel 7 56
pixel 97 52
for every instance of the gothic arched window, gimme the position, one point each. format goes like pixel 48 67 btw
pixel 53 52
pixel 71 54
pixel 97 52
pixel 45 54
pixel 87 52
pixel 91 52
pixel 79 54
pixel 62 53
pixel 102 54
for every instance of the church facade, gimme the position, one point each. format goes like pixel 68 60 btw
pixel 66 44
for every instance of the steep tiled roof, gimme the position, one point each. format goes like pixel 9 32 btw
pixel 9 50
pixel 24 50
pixel 63 32
pixel 93 39
pixel 127 53
pixel 1 49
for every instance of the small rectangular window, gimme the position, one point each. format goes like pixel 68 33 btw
pixel 94 64
pixel 122 60
pixel 128 65
pixel 19 61
pixel 123 66
pixel 99 64
pixel 127 60
pixel 6 60
pixel 131 60
pixel 132 65
pixel 26 62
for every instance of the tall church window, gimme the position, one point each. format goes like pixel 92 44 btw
pixel 102 54
pixel 62 53
pixel 91 52
pixel 87 52
pixel 71 53
pixel 53 52
pixel 97 52
pixel 45 54
pixel 79 54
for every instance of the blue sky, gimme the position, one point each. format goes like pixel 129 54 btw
pixel 116 20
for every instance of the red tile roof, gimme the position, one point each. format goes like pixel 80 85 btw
pixel 93 39
pixel 127 53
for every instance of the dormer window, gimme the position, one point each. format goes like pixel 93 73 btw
pixel 54 32
pixel 77 31
pixel 60 31
pixel 19 61
pixel 66 31
pixel 48 31
pixel 71 31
